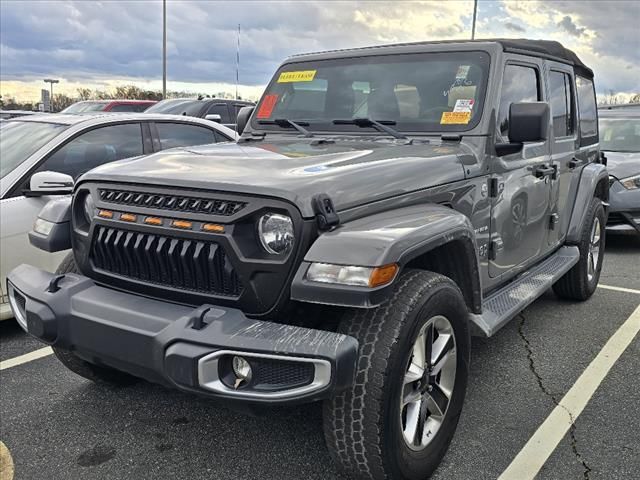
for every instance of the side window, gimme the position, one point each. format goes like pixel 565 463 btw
pixel 181 135
pixel 561 100
pixel 520 84
pixel 123 107
pixel 220 109
pixel 98 146
pixel 587 111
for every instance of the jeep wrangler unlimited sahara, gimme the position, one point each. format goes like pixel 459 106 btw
pixel 381 205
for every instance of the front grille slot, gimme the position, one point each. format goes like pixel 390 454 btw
pixel 178 203
pixel 195 265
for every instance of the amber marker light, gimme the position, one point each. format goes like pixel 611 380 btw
pixel 383 275
pixel 105 214
pixel 181 224
pixel 153 221
pixel 213 228
pixel 128 217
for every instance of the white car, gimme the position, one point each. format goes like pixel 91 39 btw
pixel 41 155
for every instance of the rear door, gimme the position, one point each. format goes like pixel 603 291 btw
pixel 564 142
pixel 521 208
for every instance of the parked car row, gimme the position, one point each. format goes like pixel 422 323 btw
pixel 216 109
pixel 42 155
pixel 93 106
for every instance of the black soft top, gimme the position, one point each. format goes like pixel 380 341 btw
pixel 549 49
pixel 545 49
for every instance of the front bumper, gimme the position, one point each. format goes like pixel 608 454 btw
pixel 180 346
pixel 624 209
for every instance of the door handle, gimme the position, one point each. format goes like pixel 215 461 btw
pixel 545 171
pixel 573 163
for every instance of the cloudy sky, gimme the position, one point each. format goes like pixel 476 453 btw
pixel 104 43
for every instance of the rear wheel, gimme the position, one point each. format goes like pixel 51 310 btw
pixel 396 421
pixel 581 281
pixel 90 371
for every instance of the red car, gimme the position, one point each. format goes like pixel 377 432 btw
pixel 109 106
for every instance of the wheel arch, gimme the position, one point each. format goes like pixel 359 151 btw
pixel 428 237
pixel 594 182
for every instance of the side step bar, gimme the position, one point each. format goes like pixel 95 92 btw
pixel 504 304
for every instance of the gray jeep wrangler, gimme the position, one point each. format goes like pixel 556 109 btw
pixel 381 206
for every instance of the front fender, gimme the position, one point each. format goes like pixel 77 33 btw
pixel 396 236
pixel 590 177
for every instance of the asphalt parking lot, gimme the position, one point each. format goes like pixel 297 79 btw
pixel 59 426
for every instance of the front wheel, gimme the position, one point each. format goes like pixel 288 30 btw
pixel 397 419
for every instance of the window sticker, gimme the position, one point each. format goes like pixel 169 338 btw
pixel 455 118
pixel 463 105
pixel 463 71
pixel 299 76
pixel 267 106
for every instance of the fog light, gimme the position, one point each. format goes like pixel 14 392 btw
pixel 242 371
pixel 43 227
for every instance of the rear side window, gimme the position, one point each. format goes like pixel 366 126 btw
pixel 98 146
pixel 587 111
pixel 520 84
pixel 181 135
pixel 220 109
pixel 561 100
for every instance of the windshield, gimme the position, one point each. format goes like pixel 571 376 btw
pixel 177 107
pixel 427 92
pixel 83 107
pixel 19 139
pixel 620 134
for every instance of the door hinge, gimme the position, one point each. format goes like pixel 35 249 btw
pixel 493 187
pixel 553 221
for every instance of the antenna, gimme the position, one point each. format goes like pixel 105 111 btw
pixel 473 26
pixel 238 62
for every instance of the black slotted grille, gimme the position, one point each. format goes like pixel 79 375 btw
pixel 177 203
pixel 195 265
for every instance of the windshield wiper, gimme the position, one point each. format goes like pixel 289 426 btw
pixel 381 125
pixel 285 122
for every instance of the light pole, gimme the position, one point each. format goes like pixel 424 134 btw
pixel 473 26
pixel 164 49
pixel 51 81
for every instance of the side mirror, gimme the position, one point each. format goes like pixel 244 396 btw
pixel 49 183
pixel 214 117
pixel 243 118
pixel 528 122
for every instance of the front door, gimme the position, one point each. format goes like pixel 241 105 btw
pixel 521 207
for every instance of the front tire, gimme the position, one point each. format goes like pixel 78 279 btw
pixel 581 281
pixel 96 373
pixel 398 418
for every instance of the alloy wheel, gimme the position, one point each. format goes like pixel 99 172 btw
pixel 428 383
pixel 594 250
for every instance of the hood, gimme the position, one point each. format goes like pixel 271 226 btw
pixel 352 172
pixel 623 164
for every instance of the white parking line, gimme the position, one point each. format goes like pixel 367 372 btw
pixel 27 357
pixel 619 289
pixel 539 448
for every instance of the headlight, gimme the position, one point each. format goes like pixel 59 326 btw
pixel 89 208
pixel 351 275
pixel 276 233
pixel 631 183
